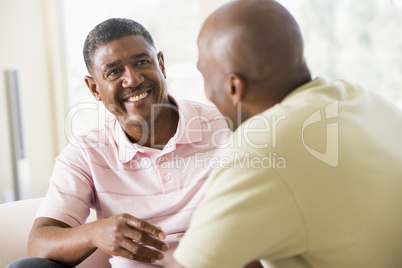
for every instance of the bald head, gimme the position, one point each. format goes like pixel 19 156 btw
pixel 260 41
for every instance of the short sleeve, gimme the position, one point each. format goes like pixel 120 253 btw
pixel 71 191
pixel 248 213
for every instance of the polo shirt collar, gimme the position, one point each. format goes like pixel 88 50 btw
pixel 126 149
pixel 317 82
pixel 188 131
pixel 189 126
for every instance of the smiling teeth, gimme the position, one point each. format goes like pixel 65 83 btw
pixel 139 97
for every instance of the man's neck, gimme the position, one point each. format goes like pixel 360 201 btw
pixel 155 134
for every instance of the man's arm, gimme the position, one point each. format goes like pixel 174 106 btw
pixel 120 235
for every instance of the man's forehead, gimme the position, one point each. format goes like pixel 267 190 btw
pixel 130 42
pixel 203 53
pixel 122 48
pixel 205 43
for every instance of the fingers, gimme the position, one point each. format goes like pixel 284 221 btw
pixel 129 237
pixel 146 227
pixel 139 255
pixel 141 237
pixel 139 252
pixel 143 232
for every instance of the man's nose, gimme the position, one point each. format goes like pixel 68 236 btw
pixel 131 78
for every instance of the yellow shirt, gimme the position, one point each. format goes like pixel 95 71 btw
pixel 315 181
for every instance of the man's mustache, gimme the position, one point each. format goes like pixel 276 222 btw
pixel 132 89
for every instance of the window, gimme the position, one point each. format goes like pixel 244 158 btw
pixel 359 41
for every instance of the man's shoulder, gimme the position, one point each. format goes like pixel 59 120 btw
pixel 198 106
pixel 204 112
pixel 96 136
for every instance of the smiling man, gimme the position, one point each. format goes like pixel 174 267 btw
pixel 131 62
pixel 143 171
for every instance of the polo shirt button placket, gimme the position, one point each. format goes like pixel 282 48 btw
pixel 162 159
pixel 166 177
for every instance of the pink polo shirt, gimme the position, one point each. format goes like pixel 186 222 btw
pixel 103 170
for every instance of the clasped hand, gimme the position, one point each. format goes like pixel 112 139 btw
pixel 129 237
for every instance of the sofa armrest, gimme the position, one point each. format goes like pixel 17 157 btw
pixel 15 225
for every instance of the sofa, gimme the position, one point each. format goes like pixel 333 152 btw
pixel 15 224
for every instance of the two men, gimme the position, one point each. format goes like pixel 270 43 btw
pixel 336 199
pixel 143 171
pixel 334 202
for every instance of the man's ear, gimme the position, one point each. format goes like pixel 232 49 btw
pixel 161 61
pixel 93 87
pixel 236 87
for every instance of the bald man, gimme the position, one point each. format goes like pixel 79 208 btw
pixel 313 175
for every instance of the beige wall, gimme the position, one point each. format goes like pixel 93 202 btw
pixel 30 33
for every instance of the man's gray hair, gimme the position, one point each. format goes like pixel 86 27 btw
pixel 110 30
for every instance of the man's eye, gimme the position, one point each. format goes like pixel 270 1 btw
pixel 142 62
pixel 113 72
